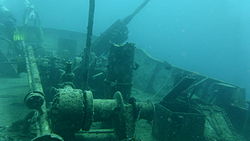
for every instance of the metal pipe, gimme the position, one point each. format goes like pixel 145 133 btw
pixel 137 10
pixel 33 70
pixel 35 99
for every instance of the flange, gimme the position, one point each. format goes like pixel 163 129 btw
pixel 89 110
pixel 34 100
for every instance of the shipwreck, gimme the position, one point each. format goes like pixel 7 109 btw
pixel 104 88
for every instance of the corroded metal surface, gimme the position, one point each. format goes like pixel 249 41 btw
pixel 67 112
pixel 35 99
pixel 120 70
pixel 73 110
pixel 89 110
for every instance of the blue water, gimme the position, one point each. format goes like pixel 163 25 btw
pixel 206 36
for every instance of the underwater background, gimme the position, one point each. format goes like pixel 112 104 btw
pixel 210 37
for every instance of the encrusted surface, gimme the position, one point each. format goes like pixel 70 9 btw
pixel 67 111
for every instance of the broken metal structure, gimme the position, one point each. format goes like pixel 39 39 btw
pixel 117 33
pixel 104 96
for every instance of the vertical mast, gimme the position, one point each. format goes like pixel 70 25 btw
pixel 87 49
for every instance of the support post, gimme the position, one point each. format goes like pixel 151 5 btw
pixel 87 49
pixel 120 70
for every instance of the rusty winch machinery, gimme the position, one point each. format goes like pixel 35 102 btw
pixel 74 110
